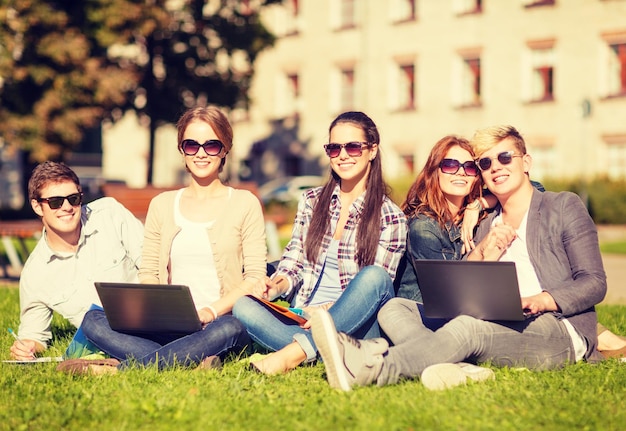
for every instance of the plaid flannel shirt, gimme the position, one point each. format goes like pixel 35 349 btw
pixel 303 274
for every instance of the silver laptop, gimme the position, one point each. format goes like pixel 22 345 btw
pixel 485 290
pixel 135 308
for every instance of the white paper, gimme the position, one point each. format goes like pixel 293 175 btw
pixel 37 360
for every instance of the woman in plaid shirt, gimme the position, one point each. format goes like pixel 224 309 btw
pixel 348 238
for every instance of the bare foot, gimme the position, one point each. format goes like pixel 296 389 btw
pixel 609 341
pixel 282 361
pixel 270 365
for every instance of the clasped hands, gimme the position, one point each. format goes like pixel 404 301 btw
pixel 270 288
pixel 493 246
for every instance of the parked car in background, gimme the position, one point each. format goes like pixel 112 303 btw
pixel 288 189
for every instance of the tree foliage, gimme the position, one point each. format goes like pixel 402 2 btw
pixel 66 65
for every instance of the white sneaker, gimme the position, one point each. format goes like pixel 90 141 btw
pixel 444 376
pixel 349 362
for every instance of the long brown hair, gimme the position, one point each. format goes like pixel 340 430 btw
pixel 377 189
pixel 425 195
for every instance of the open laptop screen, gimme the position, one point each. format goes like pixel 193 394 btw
pixel 485 290
pixel 135 308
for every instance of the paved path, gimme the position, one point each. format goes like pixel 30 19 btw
pixel 615 268
pixel 614 265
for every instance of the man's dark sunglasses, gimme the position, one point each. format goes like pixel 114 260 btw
pixel 504 158
pixel 353 149
pixel 56 202
pixel 212 147
pixel 452 166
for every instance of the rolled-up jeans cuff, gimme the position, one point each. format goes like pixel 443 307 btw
pixel 307 346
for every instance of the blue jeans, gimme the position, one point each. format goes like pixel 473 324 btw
pixel 218 338
pixel 353 313
pixel 539 343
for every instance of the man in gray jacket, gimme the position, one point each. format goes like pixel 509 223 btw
pixel 554 244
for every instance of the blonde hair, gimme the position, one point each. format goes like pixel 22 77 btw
pixel 487 138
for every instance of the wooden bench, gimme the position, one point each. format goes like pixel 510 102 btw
pixel 136 200
pixel 12 231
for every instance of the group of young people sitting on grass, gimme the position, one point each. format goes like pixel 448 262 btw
pixel 349 244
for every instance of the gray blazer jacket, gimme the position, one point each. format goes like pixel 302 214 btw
pixel 563 248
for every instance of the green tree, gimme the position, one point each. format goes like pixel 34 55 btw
pixel 55 78
pixel 205 55
pixel 66 65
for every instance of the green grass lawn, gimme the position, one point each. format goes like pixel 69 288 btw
pixel 613 247
pixel 36 397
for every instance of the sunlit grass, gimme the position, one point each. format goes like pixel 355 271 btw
pixel 36 397
pixel 613 247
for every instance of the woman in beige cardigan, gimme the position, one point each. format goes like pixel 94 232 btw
pixel 207 236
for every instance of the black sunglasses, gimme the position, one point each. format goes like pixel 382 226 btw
pixel 56 202
pixel 191 147
pixel 353 149
pixel 504 158
pixel 452 166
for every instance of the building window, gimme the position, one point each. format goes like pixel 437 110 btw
pixel 293 17
pixel 616 156
pixel 347 13
pixel 294 85
pixel 617 69
pixel 343 14
pixel 542 75
pixel 287 20
pixel 347 89
pixel 402 87
pixel 288 95
pixel 467 89
pixel 613 64
pixel 293 91
pixel 467 7
pixel 537 3
pixel 542 83
pixel 402 10
pixel 617 167
pixel 342 87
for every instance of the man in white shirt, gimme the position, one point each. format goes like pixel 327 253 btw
pixel 80 244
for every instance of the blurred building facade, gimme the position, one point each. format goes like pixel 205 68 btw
pixel 422 69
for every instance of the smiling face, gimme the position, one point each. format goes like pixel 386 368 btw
pixel 504 179
pixel 62 223
pixel 352 170
pixel 201 165
pixel 455 187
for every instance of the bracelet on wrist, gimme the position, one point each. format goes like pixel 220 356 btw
pixel 212 309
